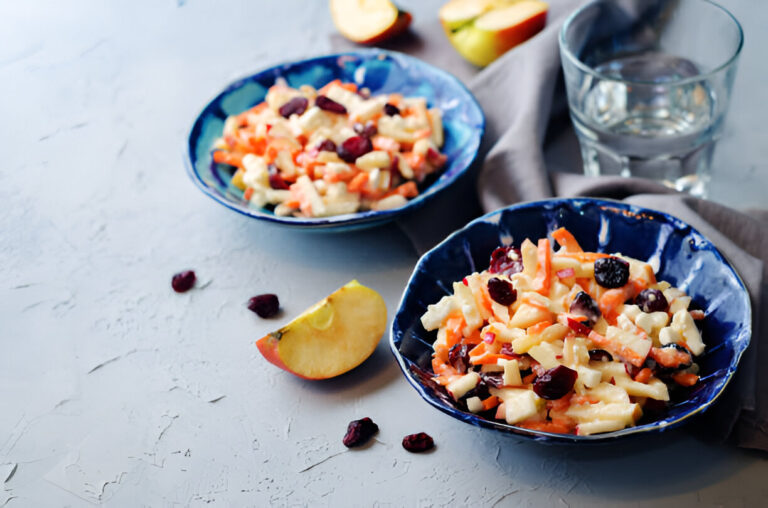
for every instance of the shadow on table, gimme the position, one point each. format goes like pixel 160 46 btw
pixel 638 469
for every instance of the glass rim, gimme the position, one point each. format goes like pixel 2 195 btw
pixel 565 50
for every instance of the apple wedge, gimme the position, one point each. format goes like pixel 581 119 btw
pixel 368 21
pixel 483 30
pixel 330 338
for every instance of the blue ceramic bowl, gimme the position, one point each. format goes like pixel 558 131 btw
pixel 685 259
pixel 381 72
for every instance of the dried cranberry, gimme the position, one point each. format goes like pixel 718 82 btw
pixel 391 109
pixel 275 180
pixel 368 130
pixel 611 272
pixel 600 355
pixel 420 442
pixel 458 356
pixel 585 305
pixel 266 305
pixel 327 146
pixel 494 379
pixel 501 291
pixel 354 147
pixel 295 106
pixel 359 432
pixel 183 281
pixel 506 261
pixel 327 104
pixel 506 349
pixel 578 327
pixel 651 300
pixel 555 383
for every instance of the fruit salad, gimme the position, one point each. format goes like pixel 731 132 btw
pixel 337 150
pixel 564 341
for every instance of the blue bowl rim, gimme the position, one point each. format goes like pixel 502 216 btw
pixel 549 437
pixel 336 220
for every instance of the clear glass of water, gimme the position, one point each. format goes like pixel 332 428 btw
pixel 648 85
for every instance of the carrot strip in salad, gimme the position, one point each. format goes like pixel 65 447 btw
pixel 358 182
pixel 566 240
pixel 491 402
pixel 685 379
pixel 231 158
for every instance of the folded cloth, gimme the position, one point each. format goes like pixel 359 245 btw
pixel 530 152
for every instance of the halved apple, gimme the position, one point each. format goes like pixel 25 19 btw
pixel 330 338
pixel 483 30
pixel 369 21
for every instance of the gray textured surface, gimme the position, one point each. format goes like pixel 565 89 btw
pixel 117 391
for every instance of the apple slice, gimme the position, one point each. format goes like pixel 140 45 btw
pixel 483 30
pixel 330 338
pixel 368 21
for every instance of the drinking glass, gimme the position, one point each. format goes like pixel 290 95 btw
pixel 648 85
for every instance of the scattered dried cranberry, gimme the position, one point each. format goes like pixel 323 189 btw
pixel 494 379
pixel 501 291
pixel 327 104
pixel 420 442
pixel 585 305
pixel 651 300
pixel 183 281
pixel 266 305
pixel 600 355
pixel 354 147
pixel 506 349
pixel 275 180
pixel 368 130
pixel 611 272
pixel 295 106
pixel 578 327
pixel 506 261
pixel 391 109
pixel 555 383
pixel 327 146
pixel 458 356
pixel 359 432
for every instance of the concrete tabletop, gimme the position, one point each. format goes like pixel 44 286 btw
pixel 114 390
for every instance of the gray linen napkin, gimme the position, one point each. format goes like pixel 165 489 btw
pixel 530 152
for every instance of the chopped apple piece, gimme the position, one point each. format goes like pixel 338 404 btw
pixel 369 21
pixel 462 385
pixel 330 338
pixel 483 30
pixel 519 403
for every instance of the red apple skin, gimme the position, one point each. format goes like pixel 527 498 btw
pixel 268 348
pixel 517 34
pixel 400 25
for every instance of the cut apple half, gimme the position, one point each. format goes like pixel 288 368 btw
pixel 330 338
pixel 483 30
pixel 368 21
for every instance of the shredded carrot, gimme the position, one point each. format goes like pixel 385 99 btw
pixel 543 278
pixel 408 189
pixel 358 182
pixel 478 350
pixel 566 240
pixel 490 403
pixel 231 158
pixel 555 427
pixel 453 329
pixel 490 359
pixel 539 327
pixel 685 378
pixel 248 193
pixel 611 300
pixel 529 378
pixel 644 375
